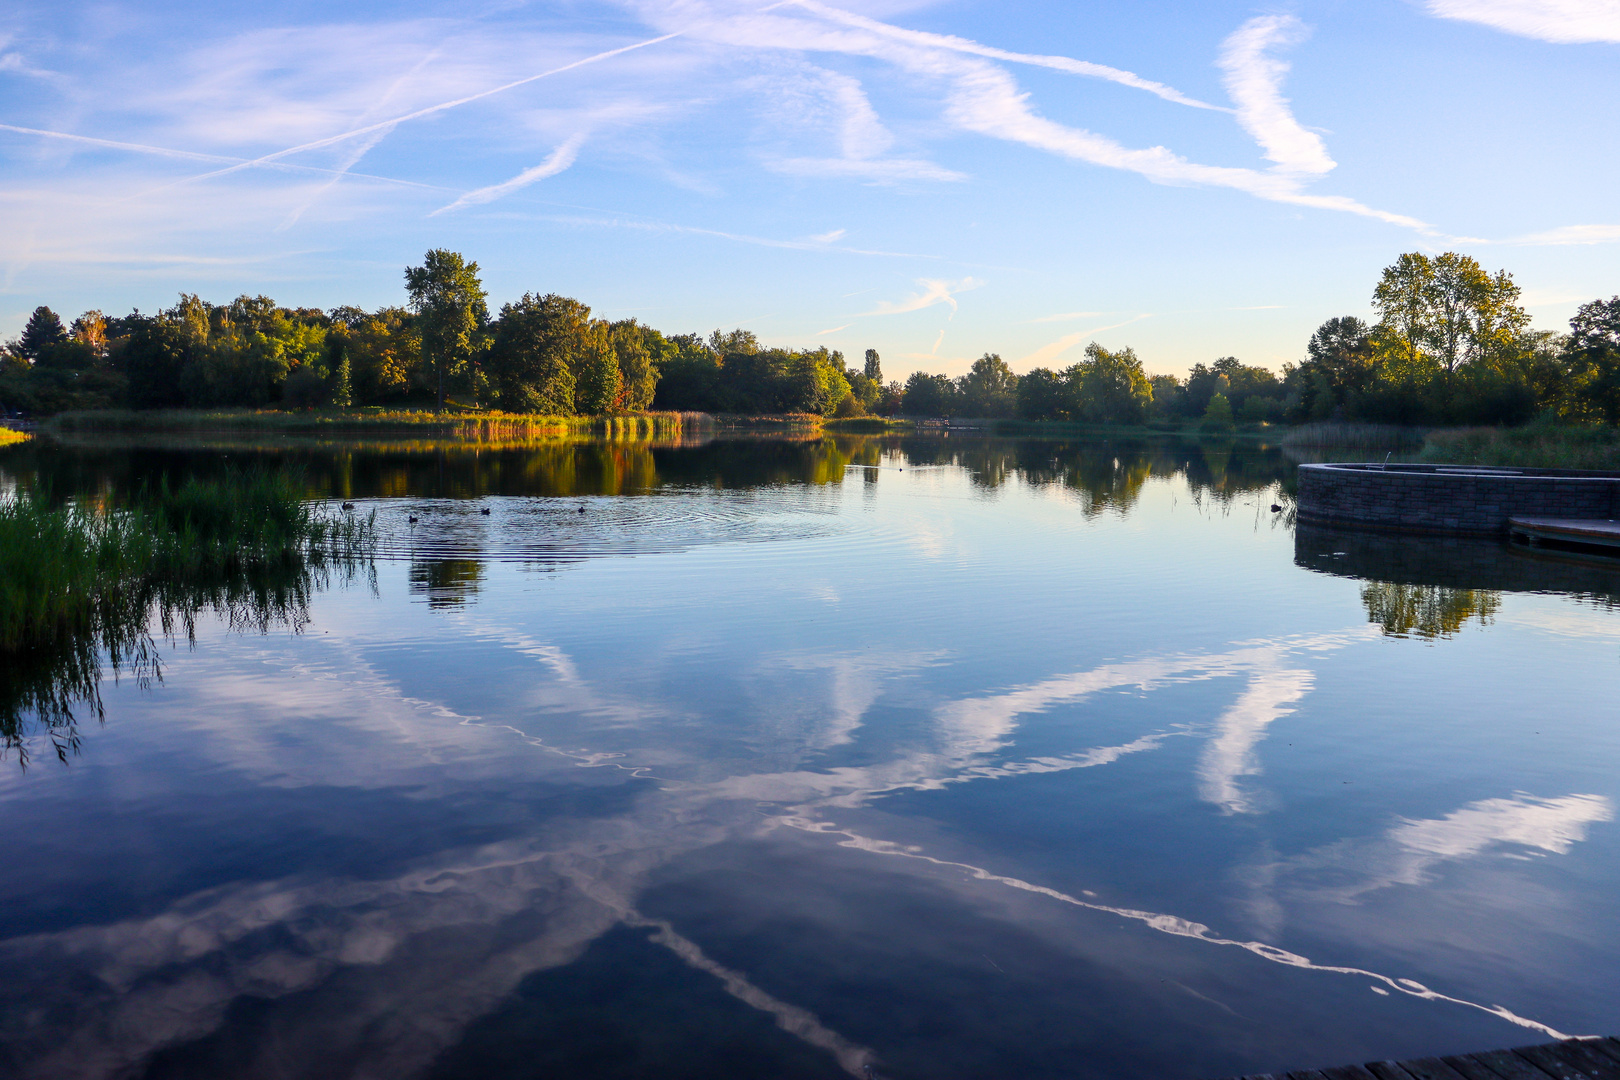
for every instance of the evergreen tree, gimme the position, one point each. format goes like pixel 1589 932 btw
pixel 44 329
pixel 874 367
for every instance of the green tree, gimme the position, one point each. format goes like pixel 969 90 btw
pixel 634 346
pixel 874 367
pixel 342 383
pixel 1218 415
pixel 539 342
pixel 1110 387
pixel 989 388
pixel 448 299
pixel 1043 395
pixel 930 395
pixel 598 386
pixel 1593 349
pixel 43 330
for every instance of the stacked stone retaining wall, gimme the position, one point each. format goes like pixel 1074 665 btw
pixel 1450 499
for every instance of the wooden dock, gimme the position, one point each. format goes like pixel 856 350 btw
pixel 1572 1059
pixel 1536 531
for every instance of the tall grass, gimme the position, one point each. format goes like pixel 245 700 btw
pixel 79 581
pixel 1335 439
pixel 1536 446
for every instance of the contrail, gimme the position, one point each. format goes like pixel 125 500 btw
pixel 431 109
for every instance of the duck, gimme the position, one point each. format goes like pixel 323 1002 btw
pixel 484 510
pixel 348 506
pixel 413 519
pixel 1275 509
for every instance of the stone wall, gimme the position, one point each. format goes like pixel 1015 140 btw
pixel 1450 499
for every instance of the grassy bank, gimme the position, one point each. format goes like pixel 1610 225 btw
pixel 461 424
pixel 1540 446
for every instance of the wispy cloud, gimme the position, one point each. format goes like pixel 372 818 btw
pixel 973 48
pixel 934 291
pixel 863 139
pixel 1254 78
pixel 1052 350
pixel 1563 22
pixel 1067 315
pixel 558 160
pixel 1571 234
pixel 828 237
pixel 443 106
pixel 833 330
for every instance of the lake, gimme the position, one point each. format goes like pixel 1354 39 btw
pixel 911 757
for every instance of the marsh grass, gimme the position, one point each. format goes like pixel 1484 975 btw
pixel 1342 441
pixel 79 582
pixel 1536 445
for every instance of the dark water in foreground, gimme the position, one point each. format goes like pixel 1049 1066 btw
pixel 947 758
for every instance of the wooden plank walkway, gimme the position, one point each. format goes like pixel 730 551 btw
pixel 1572 1059
pixel 1536 530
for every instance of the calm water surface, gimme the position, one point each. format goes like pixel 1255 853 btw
pixel 938 758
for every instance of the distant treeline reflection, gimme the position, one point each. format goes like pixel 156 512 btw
pixel 1109 472
pixel 1429 612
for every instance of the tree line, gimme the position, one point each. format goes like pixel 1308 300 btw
pixel 1451 345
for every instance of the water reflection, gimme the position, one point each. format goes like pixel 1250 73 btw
pixel 1431 587
pixel 802 807
pixel 46 689
pixel 1108 473
pixel 1427 611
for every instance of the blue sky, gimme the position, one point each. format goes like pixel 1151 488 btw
pixel 934 180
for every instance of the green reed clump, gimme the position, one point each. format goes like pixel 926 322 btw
pixel 1535 446
pixel 79 582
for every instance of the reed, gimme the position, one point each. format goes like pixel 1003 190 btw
pixel 68 570
pixel 1343 437
pixel 1537 445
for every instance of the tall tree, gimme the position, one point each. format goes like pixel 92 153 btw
pixel 449 302
pixel 874 366
pixel 989 388
pixel 1594 349
pixel 44 329
pixel 533 358
pixel 598 385
pixel 638 377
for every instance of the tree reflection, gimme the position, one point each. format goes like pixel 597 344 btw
pixel 1109 473
pixel 446 583
pixel 1429 612
pixel 46 688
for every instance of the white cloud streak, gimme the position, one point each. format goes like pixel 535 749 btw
pixel 442 106
pixel 1052 350
pixel 1571 235
pixel 1254 78
pixel 973 48
pixel 558 160
pixel 934 291
pixel 1563 22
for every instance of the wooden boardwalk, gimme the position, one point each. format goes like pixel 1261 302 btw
pixel 1537 530
pixel 1572 1059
